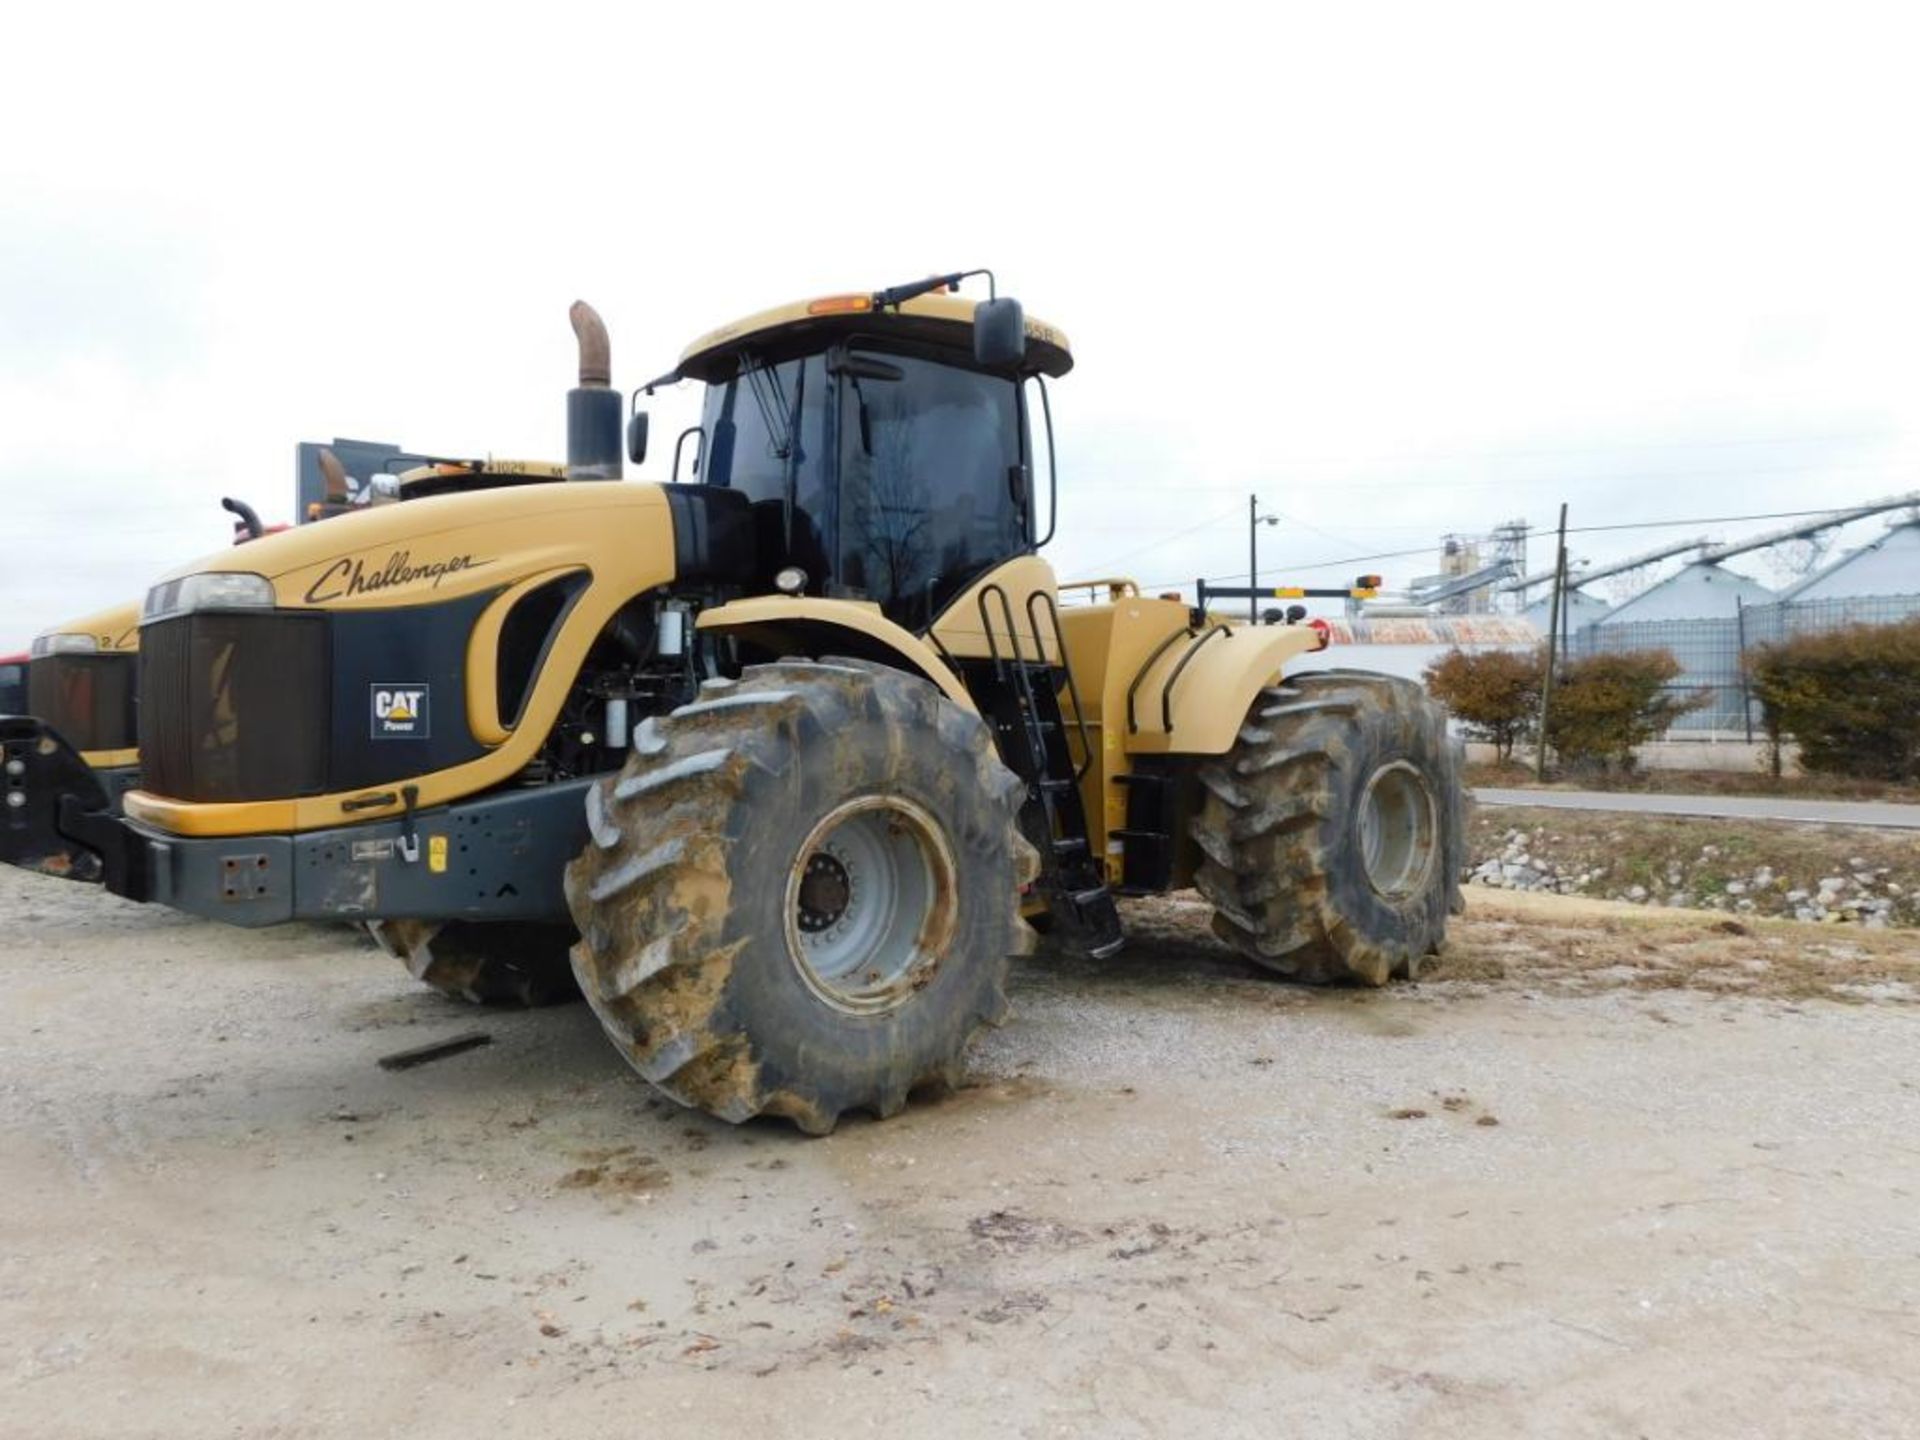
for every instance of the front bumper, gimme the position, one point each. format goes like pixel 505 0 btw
pixel 499 857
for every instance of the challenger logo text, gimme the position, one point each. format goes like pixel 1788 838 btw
pixel 352 577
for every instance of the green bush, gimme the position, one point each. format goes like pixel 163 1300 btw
pixel 1604 705
pixel 1494 693
pixel 1851 698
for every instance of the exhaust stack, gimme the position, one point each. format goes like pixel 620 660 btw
pixel 339 491
pixel 593 407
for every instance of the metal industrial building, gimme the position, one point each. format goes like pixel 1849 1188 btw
pixel 1711 618
pixel 1708 616
pixel 1877 583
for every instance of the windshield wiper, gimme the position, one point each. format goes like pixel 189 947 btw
pixel 856 368
pixel 763 383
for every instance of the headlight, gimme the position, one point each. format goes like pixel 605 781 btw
pixel 213 590
pixel 45 645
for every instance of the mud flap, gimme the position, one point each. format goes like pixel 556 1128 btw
pixel 56 818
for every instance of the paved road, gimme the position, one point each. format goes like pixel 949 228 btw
pixel 1877 814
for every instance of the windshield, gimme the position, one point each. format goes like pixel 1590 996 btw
pixel 925 499
pixel 921 499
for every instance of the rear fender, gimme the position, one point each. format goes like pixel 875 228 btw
pixel 1192 697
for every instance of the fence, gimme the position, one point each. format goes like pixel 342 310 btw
pixel 1712 653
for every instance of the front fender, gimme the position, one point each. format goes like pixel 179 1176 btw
pixel 806 625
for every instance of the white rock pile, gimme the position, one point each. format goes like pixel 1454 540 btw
pixel 1865 895
pixel 1514 868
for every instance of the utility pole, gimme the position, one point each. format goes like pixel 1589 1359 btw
pixel 1553 647
pixel 1253 559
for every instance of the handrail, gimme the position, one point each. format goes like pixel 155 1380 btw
pixel 1166 690
pixel 986 624
pixel 1066 669
pixel 1173 638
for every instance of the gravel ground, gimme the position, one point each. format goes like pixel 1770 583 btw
pixel 1573 1186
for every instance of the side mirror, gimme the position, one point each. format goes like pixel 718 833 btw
pixel 637 437
pixel 999 334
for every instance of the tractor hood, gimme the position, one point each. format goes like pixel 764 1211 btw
pixel 435 549
pixel 110 631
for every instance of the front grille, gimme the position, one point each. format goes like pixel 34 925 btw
pixel 234 706
pixel 88 699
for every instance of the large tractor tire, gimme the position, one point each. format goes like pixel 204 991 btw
pixel 1334 831
pixel 800 895
pixel 499 963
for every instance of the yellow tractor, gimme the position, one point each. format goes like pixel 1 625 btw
pixel 788 748
pixel 80 680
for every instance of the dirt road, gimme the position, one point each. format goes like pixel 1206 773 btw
pixel 1610 1174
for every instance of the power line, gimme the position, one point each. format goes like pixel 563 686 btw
pixel 1509 482
pixel 1155 543
pixel 1304 525
pixel 1571 530
pixel 1601 449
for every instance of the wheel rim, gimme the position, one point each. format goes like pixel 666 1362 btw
pixel 870 903
pixel 1397 830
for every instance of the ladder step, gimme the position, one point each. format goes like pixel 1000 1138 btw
pixel 1057 786
pixel 1083 898
pixel 1072 845
pixel 1142 778
pixel 1152 837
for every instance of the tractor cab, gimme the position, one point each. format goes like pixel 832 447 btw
pixel 879 447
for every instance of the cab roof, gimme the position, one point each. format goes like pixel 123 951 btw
pixel 939 319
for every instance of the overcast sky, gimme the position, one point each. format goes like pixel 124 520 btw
pixel 1399 271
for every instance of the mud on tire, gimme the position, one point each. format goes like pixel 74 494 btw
pixel 800 895
pixel 1333 833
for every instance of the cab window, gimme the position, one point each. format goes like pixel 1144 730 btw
pixel 926 503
